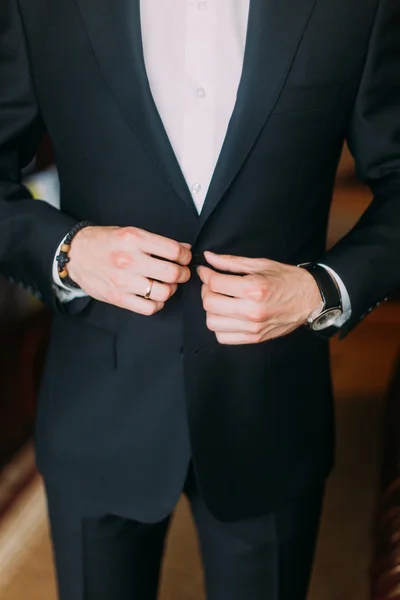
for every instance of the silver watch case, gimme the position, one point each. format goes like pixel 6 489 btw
pixel 326 318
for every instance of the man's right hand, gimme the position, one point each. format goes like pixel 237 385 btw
pixel 114 265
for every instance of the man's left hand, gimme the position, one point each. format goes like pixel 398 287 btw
pixel 261 300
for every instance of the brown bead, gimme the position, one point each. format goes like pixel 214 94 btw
pixel 65 248
pixel 63 274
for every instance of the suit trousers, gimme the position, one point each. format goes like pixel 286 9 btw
pixel 106 556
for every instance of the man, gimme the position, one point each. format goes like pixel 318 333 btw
pixel 197 144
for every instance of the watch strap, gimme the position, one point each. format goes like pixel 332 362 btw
pixel 328 287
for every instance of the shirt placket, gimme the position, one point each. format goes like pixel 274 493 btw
pixel 198 152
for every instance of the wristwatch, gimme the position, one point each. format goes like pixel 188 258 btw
pixel 330 293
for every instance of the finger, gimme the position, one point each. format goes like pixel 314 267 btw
pixel 188 246
pixel 228 285
pixel 205 290
pixel 132 283
pixel 220 324
pixel 240 338
pixel 163 247
pixel 134 303
pixel 162 270
pixel 237 308
pixel 236 264
pixel 237 339
pixel 159 292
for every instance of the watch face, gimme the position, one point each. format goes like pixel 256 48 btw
pixel 327 319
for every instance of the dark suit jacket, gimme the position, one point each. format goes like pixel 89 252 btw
pixel 126 399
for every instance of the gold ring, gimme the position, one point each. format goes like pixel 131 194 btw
pixel 149 289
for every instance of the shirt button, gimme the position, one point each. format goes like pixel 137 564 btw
pixel 196 187
pixel 202 5
pixel 201 92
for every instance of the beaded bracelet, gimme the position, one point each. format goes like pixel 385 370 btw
pixel 63 258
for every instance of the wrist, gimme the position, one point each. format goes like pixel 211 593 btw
pixel 66 271
pixel 77 249
pixel 314 300
pixel 331 309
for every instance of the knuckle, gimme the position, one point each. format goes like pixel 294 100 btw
pixel 128 235
pixel 258 291
pixel 154 307
pixel 207 304
pixel 147 309
pixel 173 274
pixel 172 289
pixel 176 251
pixel 165 293
pixel 120 259
pixel 256 328
pixel 186 257
pixel 212 283
pixel 210 323
pixel 185 274
pixel 257 315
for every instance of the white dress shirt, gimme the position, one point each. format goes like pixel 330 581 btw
pixel 193 53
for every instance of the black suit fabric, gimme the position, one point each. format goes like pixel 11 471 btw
pixel 103 556
pixel 127 401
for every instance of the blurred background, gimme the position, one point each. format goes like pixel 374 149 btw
pixel 359 549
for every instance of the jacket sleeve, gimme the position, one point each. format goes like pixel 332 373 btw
pixel 368 258
pixel 30 230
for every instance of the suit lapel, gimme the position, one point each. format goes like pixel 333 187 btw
pixel 114 30
pixel 275 30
